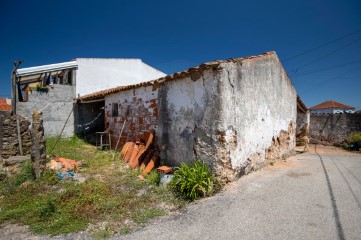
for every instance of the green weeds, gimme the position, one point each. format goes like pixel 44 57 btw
pixel 111 193
pixel 193 181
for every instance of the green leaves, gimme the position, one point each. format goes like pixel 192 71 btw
pixel 193 181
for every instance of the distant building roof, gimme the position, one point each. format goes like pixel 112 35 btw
pixel 331 104
pixel 4 105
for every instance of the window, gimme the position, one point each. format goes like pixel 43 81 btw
pixel 115 110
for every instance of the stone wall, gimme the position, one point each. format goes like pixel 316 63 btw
pixel 235 117
pixel 333 128
pixel 3 115
pixel 139 107
pixel 9 136
pixel 56 105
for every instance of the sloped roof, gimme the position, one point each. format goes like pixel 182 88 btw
pixel 4 106
pixel 331 104
pixel 177 75
pixel 22 72
pixel 300 105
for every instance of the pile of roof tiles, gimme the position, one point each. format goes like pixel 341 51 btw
pixel 142 154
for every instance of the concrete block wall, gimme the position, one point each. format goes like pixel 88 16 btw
pixel 56 105
pixel 138 108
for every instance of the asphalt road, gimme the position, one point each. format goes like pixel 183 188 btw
pixel 314 195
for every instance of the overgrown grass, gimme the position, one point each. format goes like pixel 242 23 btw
pixel 111 193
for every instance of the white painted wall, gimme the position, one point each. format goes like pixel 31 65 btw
pixel 96 74
pixel 261 102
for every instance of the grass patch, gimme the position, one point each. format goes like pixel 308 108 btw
pixel 111 193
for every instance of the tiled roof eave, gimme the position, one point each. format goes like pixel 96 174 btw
pixel 172 77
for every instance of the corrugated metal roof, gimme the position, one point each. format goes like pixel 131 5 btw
pixel 331 104
pixel 177 75
pixel 22 72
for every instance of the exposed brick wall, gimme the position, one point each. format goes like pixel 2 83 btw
pixel 139 107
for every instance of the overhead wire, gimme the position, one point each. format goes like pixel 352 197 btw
pixel 339 76
pixel 328 68
pixel 295 70
pixel 321 46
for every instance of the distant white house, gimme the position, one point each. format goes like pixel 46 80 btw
pixel 331 107
pixel 53 89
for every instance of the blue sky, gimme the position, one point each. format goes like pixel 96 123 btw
pixel 174 35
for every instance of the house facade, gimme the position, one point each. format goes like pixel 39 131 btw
pixel 331 107
pixel 235 115
pixel 53 89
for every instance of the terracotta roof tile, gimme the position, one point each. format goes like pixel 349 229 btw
pixel 177 75
pixel 4 106
pixel 331 104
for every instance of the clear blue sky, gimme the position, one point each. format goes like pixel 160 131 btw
pixel 174 35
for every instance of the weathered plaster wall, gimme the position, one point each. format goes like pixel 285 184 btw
pixel 235 117
pixel 259 111
pixel 56 105
pixel 189 109
pixel 333 128
pixel 302 129
pixel 96 74
pixel 139 107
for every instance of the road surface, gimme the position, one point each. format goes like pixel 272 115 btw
pixel 314 195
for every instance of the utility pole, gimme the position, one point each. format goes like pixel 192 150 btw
pixel 14 87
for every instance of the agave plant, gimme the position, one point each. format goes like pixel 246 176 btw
pixel 193 181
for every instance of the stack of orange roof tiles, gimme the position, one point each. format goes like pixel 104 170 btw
pixel 143 155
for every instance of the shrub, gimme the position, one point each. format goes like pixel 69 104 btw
pixel 193 181
pixel 354 141
pixel 355 137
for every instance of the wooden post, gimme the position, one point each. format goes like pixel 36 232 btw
pixel 38 155
pixel 19 136
pixel 13 92
pixel 14 87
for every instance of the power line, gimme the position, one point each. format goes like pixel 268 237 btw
pixel 321 46
pixel 324 56
pixel 328 68
pixel 342 74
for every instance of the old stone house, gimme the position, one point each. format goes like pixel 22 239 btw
pixel 53 89
pixel 236 115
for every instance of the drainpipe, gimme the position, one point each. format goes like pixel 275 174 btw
pixel 14 86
